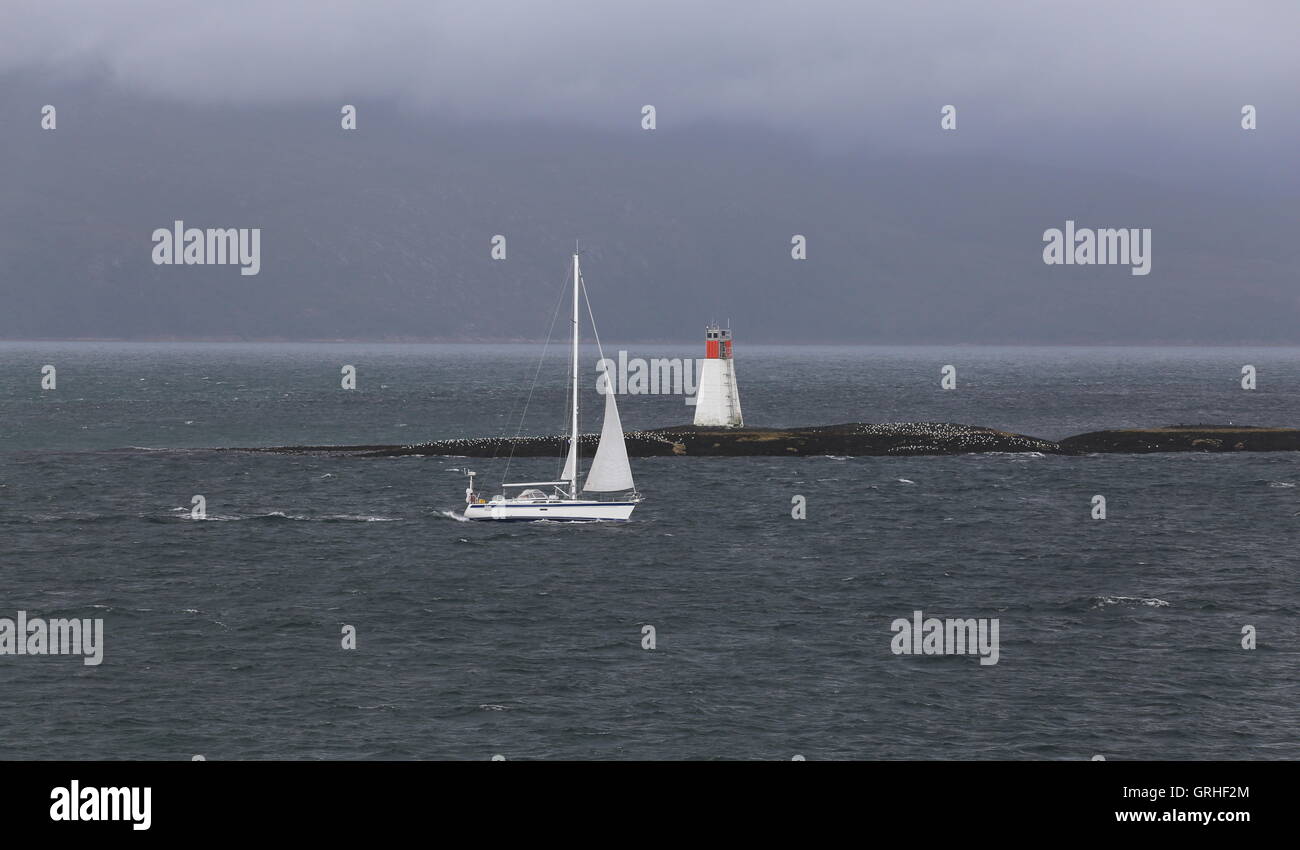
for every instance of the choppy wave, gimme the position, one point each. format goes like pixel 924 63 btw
pixel 1128 601
pixel 282 516
pixel 73 516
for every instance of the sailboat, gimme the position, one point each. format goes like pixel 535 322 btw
pixel 562 501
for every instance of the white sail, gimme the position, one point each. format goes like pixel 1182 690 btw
pixel 571 465
pixel 610 469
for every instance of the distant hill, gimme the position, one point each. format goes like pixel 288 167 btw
pixel 383 233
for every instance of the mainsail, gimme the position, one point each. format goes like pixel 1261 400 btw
pixel 610 469
pixel 571 464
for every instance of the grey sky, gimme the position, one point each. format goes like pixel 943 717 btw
pixel 840 72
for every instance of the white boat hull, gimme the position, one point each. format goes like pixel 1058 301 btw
pixel 553 511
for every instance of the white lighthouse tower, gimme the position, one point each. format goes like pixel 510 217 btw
pixel 717 404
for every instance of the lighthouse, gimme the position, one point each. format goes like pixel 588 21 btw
pixel 717 404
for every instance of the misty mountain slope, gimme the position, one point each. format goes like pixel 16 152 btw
pixel 384 233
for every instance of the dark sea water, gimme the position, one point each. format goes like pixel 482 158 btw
pixel 1120 637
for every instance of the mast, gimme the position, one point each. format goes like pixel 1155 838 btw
pixel 573 434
